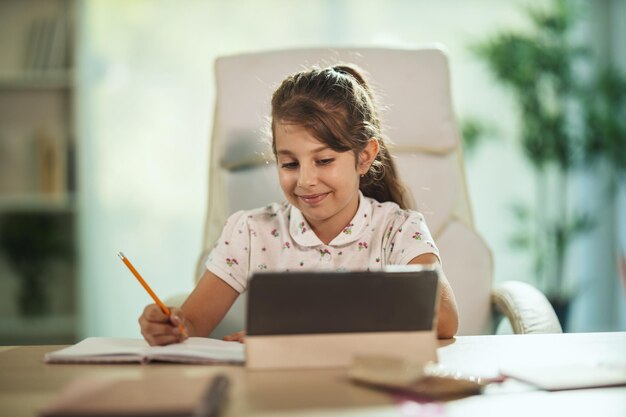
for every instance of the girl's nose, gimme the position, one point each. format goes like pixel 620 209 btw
pixel 308 176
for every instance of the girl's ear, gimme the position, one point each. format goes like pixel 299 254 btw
pixel 367 155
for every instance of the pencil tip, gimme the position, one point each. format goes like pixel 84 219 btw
pixel 121 255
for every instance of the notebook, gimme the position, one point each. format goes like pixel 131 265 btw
pixel 154 396
pixel 114 350
pixel 570 376
pixel 326 319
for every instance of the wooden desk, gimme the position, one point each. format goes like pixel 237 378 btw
pixel 27 384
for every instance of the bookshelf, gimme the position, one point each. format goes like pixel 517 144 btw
pixel 37 186
pixel 20 82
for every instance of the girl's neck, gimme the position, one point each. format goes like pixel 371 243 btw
pixel 328 229
pixel 326 233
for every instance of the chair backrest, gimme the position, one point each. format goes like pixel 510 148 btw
pixel 413 88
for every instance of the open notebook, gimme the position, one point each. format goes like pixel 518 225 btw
pixel 113 350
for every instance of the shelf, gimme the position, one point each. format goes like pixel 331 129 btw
pixel 45 81
pixel 36 203
pixel 36 80
pixel 56 328
pixel 37 166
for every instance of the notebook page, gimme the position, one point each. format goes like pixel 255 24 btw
pixel 98 348
pixel 199 349
pixel 111 349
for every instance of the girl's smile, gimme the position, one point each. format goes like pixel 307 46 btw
pixel 313 199
pixel 321 182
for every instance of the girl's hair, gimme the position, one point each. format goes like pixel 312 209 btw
pixel 337 107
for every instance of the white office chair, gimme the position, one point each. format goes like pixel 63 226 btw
pixel 413 86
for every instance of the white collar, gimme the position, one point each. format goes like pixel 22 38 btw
pixel 302 233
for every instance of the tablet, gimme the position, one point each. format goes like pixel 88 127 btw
pixel 325 319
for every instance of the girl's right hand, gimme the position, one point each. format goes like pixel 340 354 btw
pixel 160 329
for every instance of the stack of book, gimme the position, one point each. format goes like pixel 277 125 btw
pixel 45 51
pixel 32 164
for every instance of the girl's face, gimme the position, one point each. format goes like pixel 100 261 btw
pixel 322 183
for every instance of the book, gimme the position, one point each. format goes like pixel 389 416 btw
pixel 570 376
pixel 153 395
pixel 119 350
pixel 56 60
pixel 51 163
pixel 17 163
pixel 30 49
pixel 428 380
pixel 37 56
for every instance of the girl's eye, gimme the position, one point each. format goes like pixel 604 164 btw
pixel 289 165
pixel 325 161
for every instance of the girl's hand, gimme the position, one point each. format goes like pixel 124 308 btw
pixel 159 329
pixel 236 337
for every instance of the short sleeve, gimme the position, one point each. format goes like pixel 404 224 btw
pixel 230 257
pixel 408 237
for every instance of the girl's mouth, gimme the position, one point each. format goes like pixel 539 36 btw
pixel 313 199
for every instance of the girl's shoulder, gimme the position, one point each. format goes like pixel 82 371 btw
pixel 387 209
pixel 271 210
pixel 389 212
pixel 269 213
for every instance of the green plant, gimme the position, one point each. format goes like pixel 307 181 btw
pixel 474 132
pixel 565 125
pixel 537 69
pixel 30 241
pixel 605 121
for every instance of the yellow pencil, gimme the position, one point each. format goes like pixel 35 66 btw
pixel 147 288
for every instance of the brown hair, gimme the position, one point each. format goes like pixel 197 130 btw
pixel 337 107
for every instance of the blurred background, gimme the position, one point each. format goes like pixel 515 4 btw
pixel 105 117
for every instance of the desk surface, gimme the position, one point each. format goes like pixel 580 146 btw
pixel 27 384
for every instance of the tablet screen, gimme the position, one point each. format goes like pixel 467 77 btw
pixel 341 302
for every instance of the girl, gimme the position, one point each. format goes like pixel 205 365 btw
pixel 345 208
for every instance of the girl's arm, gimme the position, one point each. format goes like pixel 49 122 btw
pixel 448 316
pixel 207 305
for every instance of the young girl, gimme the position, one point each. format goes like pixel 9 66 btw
pixel 345 208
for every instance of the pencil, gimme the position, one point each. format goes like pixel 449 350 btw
pixel 147 288
pixel 213 398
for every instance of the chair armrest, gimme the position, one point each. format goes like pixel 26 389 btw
pixel 527 309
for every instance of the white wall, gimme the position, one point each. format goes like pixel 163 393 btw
pixel 145 103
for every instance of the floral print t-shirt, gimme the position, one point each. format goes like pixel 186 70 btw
pixel 278 238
